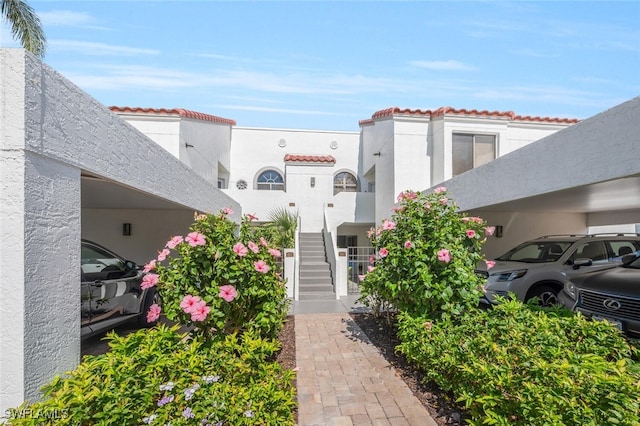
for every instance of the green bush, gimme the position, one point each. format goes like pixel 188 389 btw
pixel 426 257
pixel 520 365
pixel 221 282
pixel 159 376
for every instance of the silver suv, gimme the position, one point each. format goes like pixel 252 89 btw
pixel 539 268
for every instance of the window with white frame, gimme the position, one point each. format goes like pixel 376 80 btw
pixel 270 180
pixel 471 151
pixel 344 182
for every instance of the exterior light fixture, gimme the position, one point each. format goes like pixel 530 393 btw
pixel 377 154
pixel 126 229
pixel 498 232
pixel 313 182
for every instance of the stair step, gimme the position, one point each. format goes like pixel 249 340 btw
pixel 317 296
pixel 311 288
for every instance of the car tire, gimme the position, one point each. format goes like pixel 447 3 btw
pixel 152 297
pixel 547 295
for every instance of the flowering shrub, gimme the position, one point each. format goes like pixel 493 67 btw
pixel 160 376
pixel 218 281
pixel 426 256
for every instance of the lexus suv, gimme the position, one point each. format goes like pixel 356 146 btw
pixel 110 291
pixel 539 268
pixel 612 295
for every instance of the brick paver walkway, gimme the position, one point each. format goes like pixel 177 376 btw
pixel 343 379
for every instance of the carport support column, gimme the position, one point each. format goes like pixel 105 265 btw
pixel 39 273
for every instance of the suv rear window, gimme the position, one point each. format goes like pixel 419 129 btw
pixel 537 252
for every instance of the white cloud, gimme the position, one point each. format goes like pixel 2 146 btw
pixel 65 18
pixel 449 65
pixel 99 49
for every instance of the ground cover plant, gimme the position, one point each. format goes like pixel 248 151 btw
pixel 519 364
pixel 161 376
pixel 220 285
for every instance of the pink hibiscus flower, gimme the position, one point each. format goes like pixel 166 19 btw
pixel 444 201
pixel 200 311
pixel 149 266
pixel 174 241
pixel 162 255
pixel 444 256
pixel 371 232
pixel 195 239
pixel 189 302
pixel 228 293
pixel 427 206
pixel 253 247
pixel 383 252
pixel 275 252
pixel 361 277
pixel 240 249
pixel 227 210
pixel 263 242
pixel 261 266
pixel 489 230
pixel 408 244
pixel 470 233
pixel 388 225
pixel 149 281
pixel 440 189
pixel 252 217
pixel 490 264
pixel 371 268
pixel 154 313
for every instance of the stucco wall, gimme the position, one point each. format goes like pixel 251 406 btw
pixel 51 132
pixel 569 158
pixel 150 230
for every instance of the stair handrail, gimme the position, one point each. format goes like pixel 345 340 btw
pixel 296 263
pixel 330 244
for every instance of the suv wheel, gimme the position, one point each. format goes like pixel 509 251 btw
pixel 547 295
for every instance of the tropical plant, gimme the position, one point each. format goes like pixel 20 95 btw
pixel 426 256
pixel 25 25
pixel 285 224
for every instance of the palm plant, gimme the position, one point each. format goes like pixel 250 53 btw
pixel 25 25
pixel 285 223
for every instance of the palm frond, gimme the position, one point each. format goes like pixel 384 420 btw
pixel 25 25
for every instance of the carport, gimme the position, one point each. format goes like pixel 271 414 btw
pixel 70 168
pixel 583 176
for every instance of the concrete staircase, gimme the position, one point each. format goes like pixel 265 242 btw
pixel 315 272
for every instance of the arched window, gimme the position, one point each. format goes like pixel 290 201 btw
pixel 270 180
pixel 344 182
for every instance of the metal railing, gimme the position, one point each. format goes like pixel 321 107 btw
pixel 359 259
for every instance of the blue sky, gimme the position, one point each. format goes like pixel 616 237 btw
pixel 327 65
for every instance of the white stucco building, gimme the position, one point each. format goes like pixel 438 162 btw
pixel 72 168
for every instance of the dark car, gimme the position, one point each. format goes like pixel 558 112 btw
pixel 612 295
pixel 110 291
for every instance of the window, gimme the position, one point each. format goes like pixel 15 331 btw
pixel 471 151
pixel 345 241
pixel 270 180
pixel 344 182
pixel 222 184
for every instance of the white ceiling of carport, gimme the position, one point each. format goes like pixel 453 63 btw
pixel 98 193
pixel 614 195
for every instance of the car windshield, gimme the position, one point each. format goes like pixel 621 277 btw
pixel 537 252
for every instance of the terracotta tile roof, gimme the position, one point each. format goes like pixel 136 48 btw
pixel 289 158
pixel 175 111
pixel 440 112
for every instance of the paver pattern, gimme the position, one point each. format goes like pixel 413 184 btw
pixel 343 379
